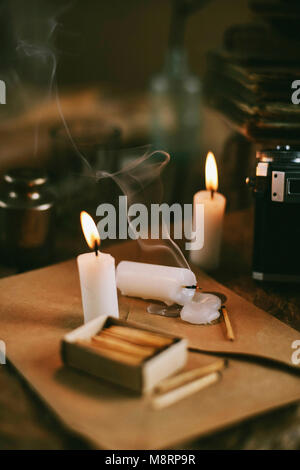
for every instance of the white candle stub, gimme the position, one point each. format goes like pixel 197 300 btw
pixel 214 206
pixel 151 281
pixel 98 285
pixel 203 309
pixel 97 276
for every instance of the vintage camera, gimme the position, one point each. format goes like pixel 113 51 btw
pixel 276 189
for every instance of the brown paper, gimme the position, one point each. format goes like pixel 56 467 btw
pixel 38 308
pixel 257 334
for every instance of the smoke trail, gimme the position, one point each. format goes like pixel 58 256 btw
pixel 67 129
pixel 134 180
pixel 37 49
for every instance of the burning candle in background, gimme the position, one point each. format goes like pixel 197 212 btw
pixel 214 208
pixel 97 275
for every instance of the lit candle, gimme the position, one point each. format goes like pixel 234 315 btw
pixel 97 275
pixel 151 281
pixel 214 207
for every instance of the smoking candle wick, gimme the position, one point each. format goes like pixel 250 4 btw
pixel 192 287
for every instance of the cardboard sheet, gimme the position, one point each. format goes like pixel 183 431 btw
pixel 38 308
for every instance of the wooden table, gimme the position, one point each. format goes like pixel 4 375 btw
pixel 26 423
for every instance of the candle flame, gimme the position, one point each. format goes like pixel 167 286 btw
pixel 211 173
pixel 90 231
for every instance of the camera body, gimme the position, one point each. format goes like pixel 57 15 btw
pixel 276 189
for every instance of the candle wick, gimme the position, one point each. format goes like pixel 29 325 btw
pixel 192 287
pixel 96 248
pixel 212 192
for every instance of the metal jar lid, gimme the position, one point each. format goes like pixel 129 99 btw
pixel 26 177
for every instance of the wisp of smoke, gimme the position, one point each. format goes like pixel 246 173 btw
pixel 34 44
pixel 135 178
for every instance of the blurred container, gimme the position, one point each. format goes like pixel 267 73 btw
pixel 177 120
pixel 26 219
pixel 77 155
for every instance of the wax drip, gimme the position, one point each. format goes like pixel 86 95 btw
pixel 164 310
pixel 202 310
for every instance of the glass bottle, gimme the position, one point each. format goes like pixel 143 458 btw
pixel 176 121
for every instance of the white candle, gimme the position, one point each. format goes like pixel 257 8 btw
pixel 214 208
pixel 97 276
pixel 155 282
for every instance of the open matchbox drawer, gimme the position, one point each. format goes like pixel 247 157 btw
pixel 142 377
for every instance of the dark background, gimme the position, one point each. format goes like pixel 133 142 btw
pixel 124 42
pixel 118 42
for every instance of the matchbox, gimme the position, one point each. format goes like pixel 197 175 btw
pixel 124 353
